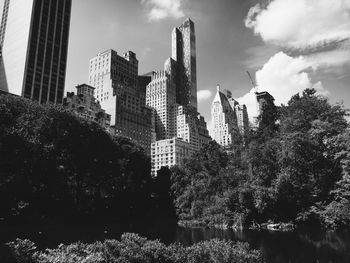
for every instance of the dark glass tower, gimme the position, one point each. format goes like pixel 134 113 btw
pixel 184 53
pixel 34 37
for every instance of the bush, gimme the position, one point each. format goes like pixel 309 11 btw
pixel 136 249
pixel 23 250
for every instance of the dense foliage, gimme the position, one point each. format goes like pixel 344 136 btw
pixel 293 167
pixel 53 164
pixel 133 248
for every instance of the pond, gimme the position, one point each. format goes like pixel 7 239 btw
pixel 277 247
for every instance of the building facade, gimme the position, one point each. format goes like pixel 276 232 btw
pixel 122 93
pixel 203 132
pixel 161 96
pixel 192 128
pixel 113 75
pixel 84 105
pixel 169 152
pixel 241 113
pixel 34 38
pixel 242 118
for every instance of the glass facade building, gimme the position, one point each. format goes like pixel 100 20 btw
pixel 34 38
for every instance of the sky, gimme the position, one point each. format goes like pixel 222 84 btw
pixel 286 45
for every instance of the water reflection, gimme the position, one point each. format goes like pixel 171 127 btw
pixel 298 247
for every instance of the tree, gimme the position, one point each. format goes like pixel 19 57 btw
pixel 53 163
pixel 290 168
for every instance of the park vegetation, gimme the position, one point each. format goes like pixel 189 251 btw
pixel 134 249
pixel 56 165
pixel 295 167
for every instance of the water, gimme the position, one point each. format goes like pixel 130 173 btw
pixel 297 247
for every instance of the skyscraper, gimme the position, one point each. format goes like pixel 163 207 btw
pixel 224 119
pixel 181 130
pixel 34 39
pixel 160 96
pixel 228 117
pixel 122 93
pixel 113 75
pixel 184 53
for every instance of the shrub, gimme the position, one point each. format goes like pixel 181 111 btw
pixel 135 249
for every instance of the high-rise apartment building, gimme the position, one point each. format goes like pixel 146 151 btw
pixel 122 93
pixel 181 130
pixel 161 96
pixel 184 53
pixel 34 40
pixel 113 75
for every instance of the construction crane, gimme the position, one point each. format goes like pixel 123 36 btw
pixel 252 81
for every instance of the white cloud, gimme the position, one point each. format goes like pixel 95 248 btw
pixel 282 76
pixel 160 9
pixel 320 26
pixel 203 95
pixel 301 23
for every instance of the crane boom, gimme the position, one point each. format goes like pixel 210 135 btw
pixel 251 79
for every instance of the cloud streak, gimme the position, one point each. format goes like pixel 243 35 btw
pixel 161 9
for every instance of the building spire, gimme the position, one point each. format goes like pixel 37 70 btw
pixel 218 87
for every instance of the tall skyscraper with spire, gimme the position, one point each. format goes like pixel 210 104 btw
pixel 34 43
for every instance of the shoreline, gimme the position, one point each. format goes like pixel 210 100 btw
pixel 279 227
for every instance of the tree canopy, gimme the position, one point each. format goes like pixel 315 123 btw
pixel 293 167
pixel 53 163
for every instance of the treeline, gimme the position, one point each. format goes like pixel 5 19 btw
pixel 133 248
pixel 55 165
pixel 293 168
